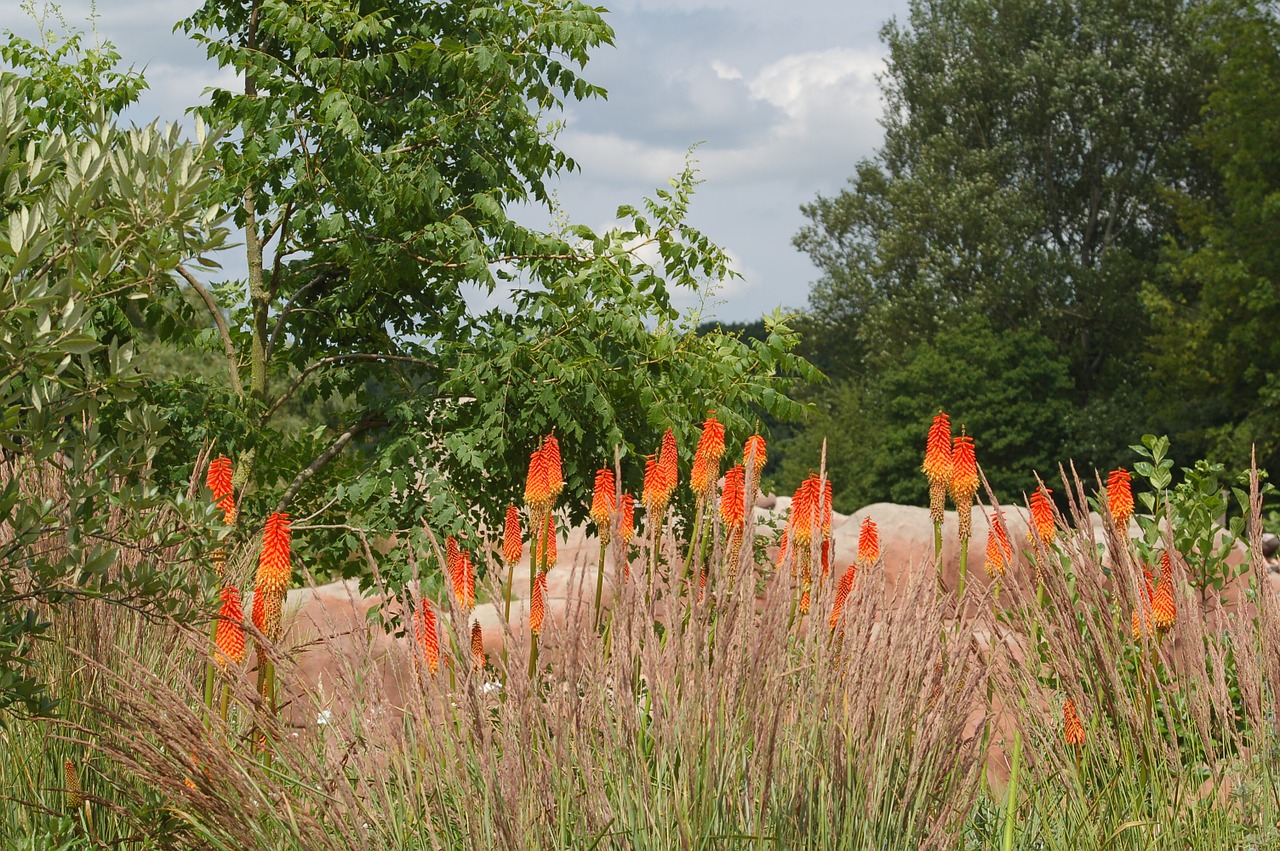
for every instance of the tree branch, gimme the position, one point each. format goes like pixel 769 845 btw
pixel 323 362
pixel 370 421
pixel 221 321
pixel 288 306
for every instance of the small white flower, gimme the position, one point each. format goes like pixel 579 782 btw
pixel 323 717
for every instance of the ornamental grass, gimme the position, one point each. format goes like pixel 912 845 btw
pixel 889 717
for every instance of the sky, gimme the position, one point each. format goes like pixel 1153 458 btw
pixel 780 98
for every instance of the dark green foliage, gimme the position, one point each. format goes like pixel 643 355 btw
pixel 1216 310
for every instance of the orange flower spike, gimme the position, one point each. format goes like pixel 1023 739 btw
pixel 537 488
pixel 755 454
pixel 1120 497
pixel 804 507
pixel 274 566
pixel 218 479
pixel 868 542
pixel 1072 729
pixel 651 495
pixel 999 551
pixel 843 589
pixel 1164 611
pixel 450 551
pixel 706 459
pixel 1042 515
pixel 538 604
pixel 1143 626
pixel 825 558
pixel 259 615
pixel 603 501
pixel 937 465
pixel 627 522
pixel 826 511
pixel 428 634
pixel 733 509
pixel 229 635
pixel 462 576
pixel 477 647
pixel 555 472
pixel 512 540
pixel 964 482
pixel 668 466
pixel 549 542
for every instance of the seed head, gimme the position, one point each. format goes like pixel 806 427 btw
pixel 71 782
pixel 477 647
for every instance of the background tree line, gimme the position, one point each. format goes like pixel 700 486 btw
pixel 1066 240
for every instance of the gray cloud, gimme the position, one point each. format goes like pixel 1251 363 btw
pixel 782 95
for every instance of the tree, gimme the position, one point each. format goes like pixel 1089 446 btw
pixel 96 216
pixel 377 148
pixel 1216 310
pixel 1009 390
pixel 1030 147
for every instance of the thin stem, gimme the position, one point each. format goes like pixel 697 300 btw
pixel 600 583
pixel 964 566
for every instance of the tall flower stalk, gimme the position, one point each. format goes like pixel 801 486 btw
pixel 937 467
pixel 604 500
pixel 543 485
pixel 963 486
pixel 702 481
pixel 270 586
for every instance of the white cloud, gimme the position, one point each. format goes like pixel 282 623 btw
pixel 725 72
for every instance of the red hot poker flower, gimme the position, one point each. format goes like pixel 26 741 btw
pixel 1164 611
pixel 219 477
pixel 538 604
pixel 937 465
pixel 603 501
pixel 843 588
pixel 804 512
pixel 999 551
pixel 1042 515
pixel 627 522
pixel 668 466
pixel 512 541
pixel 428 635
pixel 1120 497
pixel 229 636
pixel 754 456
pixel 868 542
pixel 462 577
pixel 732 501
pixel 826 510
pixel 1072 729
pixel 555 472
pixel 706 459
pixel 273 563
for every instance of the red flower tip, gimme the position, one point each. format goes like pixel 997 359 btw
pixel 274 566
pixel 706 459
pixel 218 479
pixel 1042 515
pixel 964 472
